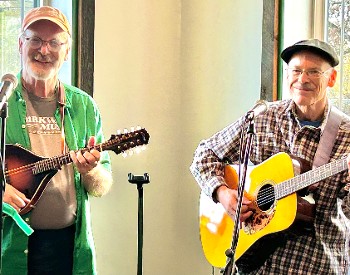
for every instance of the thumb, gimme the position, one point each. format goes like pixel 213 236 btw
pixel 91 141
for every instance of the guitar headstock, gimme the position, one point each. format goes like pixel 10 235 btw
pixel 128 142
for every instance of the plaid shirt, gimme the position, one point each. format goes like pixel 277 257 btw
pixel 325 248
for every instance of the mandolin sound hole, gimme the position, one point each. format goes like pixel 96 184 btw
pixel 266 197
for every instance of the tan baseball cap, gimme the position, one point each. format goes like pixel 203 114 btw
pixel 47 13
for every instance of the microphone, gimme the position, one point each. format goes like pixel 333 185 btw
pixel 8 84
pixel 260 107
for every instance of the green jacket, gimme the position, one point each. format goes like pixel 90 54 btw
pixel 82 120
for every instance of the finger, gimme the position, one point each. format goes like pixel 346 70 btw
pixel 73 156
pixel 92 157
pixel 245 215
pixel 15 198
pixel 96 154
pixel 80 158
pixel 246 201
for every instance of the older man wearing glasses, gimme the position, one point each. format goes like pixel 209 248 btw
pixel 284 231
pixel 51 118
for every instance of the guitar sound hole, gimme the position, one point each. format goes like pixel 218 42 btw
pixel 266 197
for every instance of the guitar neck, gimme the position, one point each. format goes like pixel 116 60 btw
pixel 118 143
pixel 301 181
pixel 57 162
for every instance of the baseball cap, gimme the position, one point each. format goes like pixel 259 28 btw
pixel 47 13
pixel 319 47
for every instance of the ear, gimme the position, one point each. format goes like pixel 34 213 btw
pixel 20 44
pixel 332 78
pixel 67 53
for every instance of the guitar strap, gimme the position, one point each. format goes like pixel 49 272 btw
pixel 62 104
pixel 328 137
pixel 306 204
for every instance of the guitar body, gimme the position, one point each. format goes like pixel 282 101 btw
pixel 216 227
pixel 23 178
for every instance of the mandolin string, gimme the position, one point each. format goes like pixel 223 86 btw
pixel 66 157
pixel 20 169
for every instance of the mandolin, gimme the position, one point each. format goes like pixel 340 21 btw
pixel 30 173
pixel 272 188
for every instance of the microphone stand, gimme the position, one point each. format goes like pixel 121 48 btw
pixel 245 147
pixel 3 115
pixel 139 180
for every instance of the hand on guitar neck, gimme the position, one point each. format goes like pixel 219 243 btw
pixel 87 160
pixel 229 198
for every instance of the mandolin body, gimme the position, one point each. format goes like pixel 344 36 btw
pixel 20 174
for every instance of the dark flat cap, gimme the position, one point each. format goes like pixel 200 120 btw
pixel 316 46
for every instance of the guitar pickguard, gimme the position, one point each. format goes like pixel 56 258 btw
pixel 258 221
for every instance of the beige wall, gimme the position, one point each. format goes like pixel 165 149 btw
pixel 183 70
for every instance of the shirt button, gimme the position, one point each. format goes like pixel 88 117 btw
pixel 27 220
pixel 26 251
pixel 23 126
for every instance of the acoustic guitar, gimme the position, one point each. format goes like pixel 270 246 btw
pixel 272 187
pixel 30 173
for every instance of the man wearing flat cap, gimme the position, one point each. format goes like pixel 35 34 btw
pixel 51 118
pixel 284 232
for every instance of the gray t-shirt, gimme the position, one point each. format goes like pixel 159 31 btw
pixel 57 206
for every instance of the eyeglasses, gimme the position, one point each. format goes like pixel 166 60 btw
pixel 36 43
pixel 294 72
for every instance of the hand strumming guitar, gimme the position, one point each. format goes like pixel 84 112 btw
pixel 229 198
pixel 15 198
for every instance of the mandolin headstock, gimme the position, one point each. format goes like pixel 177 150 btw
pixel 128 142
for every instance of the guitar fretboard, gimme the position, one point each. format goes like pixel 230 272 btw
pixel 51 164
pixel 301 181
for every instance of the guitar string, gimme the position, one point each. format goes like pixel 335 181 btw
pixel 268 195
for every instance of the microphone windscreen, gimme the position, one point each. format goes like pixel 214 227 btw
pixel 11 78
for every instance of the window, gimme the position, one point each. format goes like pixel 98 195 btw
pixel 337 30
pixel 11 15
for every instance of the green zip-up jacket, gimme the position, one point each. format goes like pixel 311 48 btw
pixel 82 120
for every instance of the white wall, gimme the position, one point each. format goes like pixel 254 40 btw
pixel 183 70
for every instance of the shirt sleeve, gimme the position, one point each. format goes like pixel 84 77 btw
pixel 211 155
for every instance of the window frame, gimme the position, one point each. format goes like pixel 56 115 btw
pixel 84 36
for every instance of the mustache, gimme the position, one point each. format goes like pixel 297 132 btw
pixel 42 58
pixel 301 86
